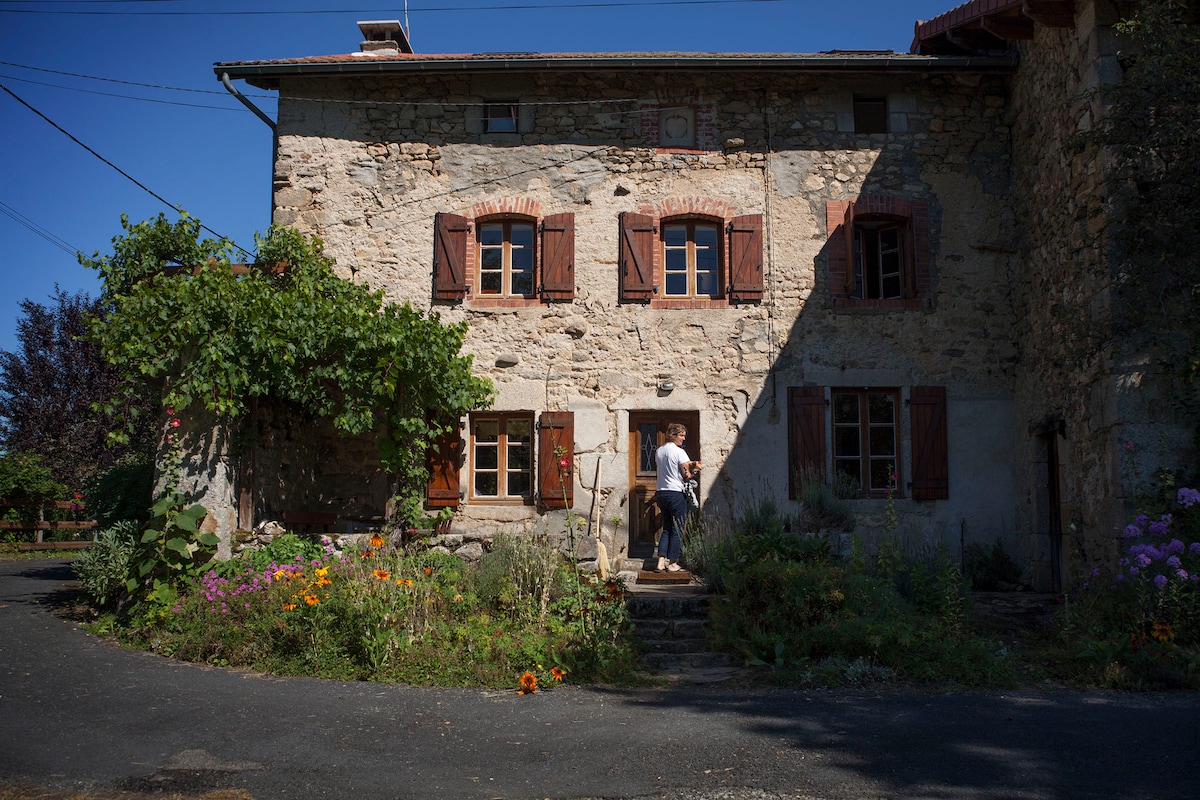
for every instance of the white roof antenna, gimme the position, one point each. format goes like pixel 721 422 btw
pixel 407 28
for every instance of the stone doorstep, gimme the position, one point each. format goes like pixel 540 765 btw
pixel 649 577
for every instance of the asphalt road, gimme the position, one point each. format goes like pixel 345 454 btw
pixel 78 712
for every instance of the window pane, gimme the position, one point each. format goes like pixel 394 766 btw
pixel 677 283
pixel 706 260
pixel 881 474
pixel 487 456
pixel 675 235
pixel 486 484
pixel 522 259
pixel 889 239
pixel 522 234
pixel 677 260
pixel 487 430
pixel 850 469
pixel 518 484
pixel 648 433
pixel 880 409
pixel 845 441
pixel 706 236
pixel 883 441
pixel 519 430
pixel 706 283
pixel 891 287
pixel 492 258
pixel 522 283
pixel 845 408
pixel 491 233
pixel 519 457
pixel 490 283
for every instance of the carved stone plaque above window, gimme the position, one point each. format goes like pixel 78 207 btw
pixel 677 127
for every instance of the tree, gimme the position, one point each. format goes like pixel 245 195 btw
pixel 50 388
pixel 285 329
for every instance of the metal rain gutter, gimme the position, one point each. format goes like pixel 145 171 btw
pixel 258 112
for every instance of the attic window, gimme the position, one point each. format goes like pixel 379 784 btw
pixel 870 114
pixel 501 119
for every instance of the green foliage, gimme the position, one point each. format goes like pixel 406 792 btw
pixel 26 485
pixel 104 567
pixel 986 568
pixel 286 548
pixel 218 341
pixel 824 507
pixel 171 549
pixel 124 491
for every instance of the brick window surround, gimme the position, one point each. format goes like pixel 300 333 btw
pixel 641 257
pixel 457 254
pixel 913 218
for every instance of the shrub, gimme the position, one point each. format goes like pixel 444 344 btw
pixel 103 568
pixel 987 568
pixel 124 491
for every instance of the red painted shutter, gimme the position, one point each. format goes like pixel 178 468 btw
pixel 746 259
pixel 806 433
pixel 636 265
pixel 931 473
pixel 444 458
pixel 558 257
pixel 851 256
pixel 450 256
pixel 556 441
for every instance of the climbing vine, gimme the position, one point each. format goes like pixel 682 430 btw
pixel 287 329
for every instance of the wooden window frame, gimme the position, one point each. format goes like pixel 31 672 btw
pixel 848 220
pixel 690 247
pixel 865 429
pixel 506 247
pixel 502 451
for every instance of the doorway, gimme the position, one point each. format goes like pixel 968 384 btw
pixel 647 432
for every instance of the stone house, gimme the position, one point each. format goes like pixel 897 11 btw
pixel 848 263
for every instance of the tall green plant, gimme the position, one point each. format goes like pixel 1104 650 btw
pixel 289 330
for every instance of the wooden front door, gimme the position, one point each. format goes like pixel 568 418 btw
pixel 647 431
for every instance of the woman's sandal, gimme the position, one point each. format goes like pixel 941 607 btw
pixel 673 567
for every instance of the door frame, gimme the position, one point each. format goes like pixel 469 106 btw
pixel 645 521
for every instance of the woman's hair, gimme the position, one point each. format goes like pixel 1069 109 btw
pixel 676 428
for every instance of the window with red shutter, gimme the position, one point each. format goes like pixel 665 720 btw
pixel 558 257
pixel 806 434
pixel 746 259
pixel 450 256
pixel 931 471
pixel 636 259
pixel 556 459
pixel 878 252
pixel 444 460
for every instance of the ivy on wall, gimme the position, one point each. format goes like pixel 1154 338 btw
pixel 214 337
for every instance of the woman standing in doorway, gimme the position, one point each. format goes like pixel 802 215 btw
pixel 674 468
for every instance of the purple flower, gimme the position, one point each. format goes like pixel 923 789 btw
pixel 1174 546
pixel 1173 561
pixel 1143 560
pixel 1142 520
pixel 1120 578
pixel 1181 574
pixel 1124 562
pixel 1132 532
pixel 1134 570
pixel 1158 528
pixel 1096 572
pixel 1160 581
pixel 1188 497
pixel 1194 548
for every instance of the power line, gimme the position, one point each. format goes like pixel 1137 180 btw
pixel 472 8
pixel 134 180
pixel 126 83
pixel 21 219
pixel 120 96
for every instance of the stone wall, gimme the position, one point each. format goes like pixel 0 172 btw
pixel 365 163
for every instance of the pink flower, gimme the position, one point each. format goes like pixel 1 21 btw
pixel 174 423
pixel 170 411
pixel 563 462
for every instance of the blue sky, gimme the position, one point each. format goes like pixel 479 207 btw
pixel 202 151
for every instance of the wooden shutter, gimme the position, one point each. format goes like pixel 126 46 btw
pixel 636 264
pixel 806 433
pixel 450 256
pixel 444 459
pixel 558 257
pixel 908 266
pixel 931 473
pixel 851 256
pixel 746 259
pixel 556 441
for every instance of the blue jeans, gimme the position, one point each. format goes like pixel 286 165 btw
pixel 674 507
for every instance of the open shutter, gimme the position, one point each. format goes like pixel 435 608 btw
pixel 558 257
pixel 908 267
pixel 852 257
pixel 444 458
pixel 806 433
pixel 556 442
pixel 931 473
pixel 450 256
pixel 746 259
pixel 636 264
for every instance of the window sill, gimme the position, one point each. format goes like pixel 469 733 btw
pixel 480 303
pixel 689 303
pixel 898 304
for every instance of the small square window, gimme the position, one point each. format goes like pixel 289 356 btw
pixel 501 119
pixel 870 114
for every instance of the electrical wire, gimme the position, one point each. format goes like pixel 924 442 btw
pixel 21 219
pixel 121 96
pixel 134 180
pixel 125 83
pixel 471 8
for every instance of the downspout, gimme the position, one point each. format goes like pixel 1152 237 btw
pixel 246 101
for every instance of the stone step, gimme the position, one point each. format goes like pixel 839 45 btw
pixel 676 662
pixel 695 645
pixel 667 606
pixel 658 628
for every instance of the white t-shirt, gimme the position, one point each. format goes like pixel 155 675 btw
pixel 671 458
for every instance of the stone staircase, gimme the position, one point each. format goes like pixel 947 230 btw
pixel 670 618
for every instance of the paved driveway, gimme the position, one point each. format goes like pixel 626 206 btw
pixel 78 712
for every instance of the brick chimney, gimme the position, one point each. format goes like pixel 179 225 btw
pixel 383 36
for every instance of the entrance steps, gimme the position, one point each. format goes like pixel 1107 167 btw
pixel 670 619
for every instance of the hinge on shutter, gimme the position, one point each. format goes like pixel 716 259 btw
pixel 729 227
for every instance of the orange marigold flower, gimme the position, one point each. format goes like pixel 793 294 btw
pixel 324 582
pixel 382 574
pixel 289 606
pixel 404 581
pixel 1162 632
pixel 279 574
pixel 557 673
pixel 321 572
pixel 528 683
pixel 376 541
pixel 428 570
pixel 368 554
pixel 311 599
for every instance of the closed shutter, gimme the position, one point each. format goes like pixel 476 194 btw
pixel 558 257
pixel 556 442
pixel 746 259
pixel 450 256
pixel 806 433
pixel 852 257
pixel 636 264
pixel 444 459
pixel 931 472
